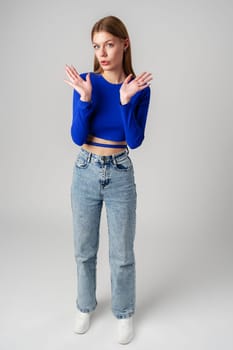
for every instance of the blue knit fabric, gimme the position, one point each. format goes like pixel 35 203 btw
pixel 106 118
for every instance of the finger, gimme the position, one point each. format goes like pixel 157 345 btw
pixel 140 76
pixel 147 77
pixel 88 79
pixel 144 76
pixel 75 71
pixel 144 79
pixel 69 83
pixel 68 74
pixel 71 73
pixel 143 86
pixel 127 79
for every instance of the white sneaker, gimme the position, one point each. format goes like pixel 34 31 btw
pixel 82 322
pixel 125 330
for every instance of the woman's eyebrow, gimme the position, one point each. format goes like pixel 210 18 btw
pixel 104 42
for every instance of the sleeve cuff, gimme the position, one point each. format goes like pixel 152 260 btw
pixel 84 104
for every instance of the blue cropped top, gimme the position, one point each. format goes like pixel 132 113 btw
pixel 105 117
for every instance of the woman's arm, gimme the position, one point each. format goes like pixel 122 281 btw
pixel 82 111
pixel 82 105
pixel 134 116
pixel 134 110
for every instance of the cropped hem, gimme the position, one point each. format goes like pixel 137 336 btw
pixel 106 145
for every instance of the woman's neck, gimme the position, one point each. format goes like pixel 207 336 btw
pixel 114 77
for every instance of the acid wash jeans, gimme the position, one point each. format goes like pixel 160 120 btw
pixel 110 180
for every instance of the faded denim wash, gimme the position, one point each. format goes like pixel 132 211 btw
pixel 109 180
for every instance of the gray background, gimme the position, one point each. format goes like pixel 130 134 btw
pixel 183 171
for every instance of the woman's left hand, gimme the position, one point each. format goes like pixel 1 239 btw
pixel 130 87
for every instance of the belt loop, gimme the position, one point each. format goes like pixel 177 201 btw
pixel 89 157
pixel 114 159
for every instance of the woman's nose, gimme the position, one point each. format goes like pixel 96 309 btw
pixel 102 52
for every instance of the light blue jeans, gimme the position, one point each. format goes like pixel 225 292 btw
pixel 108 179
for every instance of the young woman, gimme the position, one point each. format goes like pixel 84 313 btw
pixel 110 108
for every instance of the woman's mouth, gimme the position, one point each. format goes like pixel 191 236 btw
pixel 104 63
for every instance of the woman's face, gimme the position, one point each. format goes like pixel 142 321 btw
pixel 109 50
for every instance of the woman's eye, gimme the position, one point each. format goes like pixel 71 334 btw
pixel 95 47
pixel 110 45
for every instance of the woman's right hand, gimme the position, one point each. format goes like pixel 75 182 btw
pixel 83 87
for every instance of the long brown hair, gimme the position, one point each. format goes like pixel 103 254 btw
pixel 116 27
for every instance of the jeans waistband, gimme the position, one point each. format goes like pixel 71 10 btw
pixel 105 159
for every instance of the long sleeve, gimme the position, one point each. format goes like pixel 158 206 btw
pixel 82 112
pixel 134 115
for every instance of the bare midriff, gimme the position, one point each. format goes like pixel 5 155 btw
pixel 103 151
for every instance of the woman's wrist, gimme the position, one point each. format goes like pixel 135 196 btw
pixel 85 98
pixel 124 99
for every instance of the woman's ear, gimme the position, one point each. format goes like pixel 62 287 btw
pixel 126 44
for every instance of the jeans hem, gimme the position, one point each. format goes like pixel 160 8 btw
pixel 121 316
pixel 86 310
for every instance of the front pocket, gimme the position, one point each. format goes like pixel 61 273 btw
pixel 124 164
pixel 81 163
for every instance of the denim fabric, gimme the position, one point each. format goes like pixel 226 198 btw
pixel 109 180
